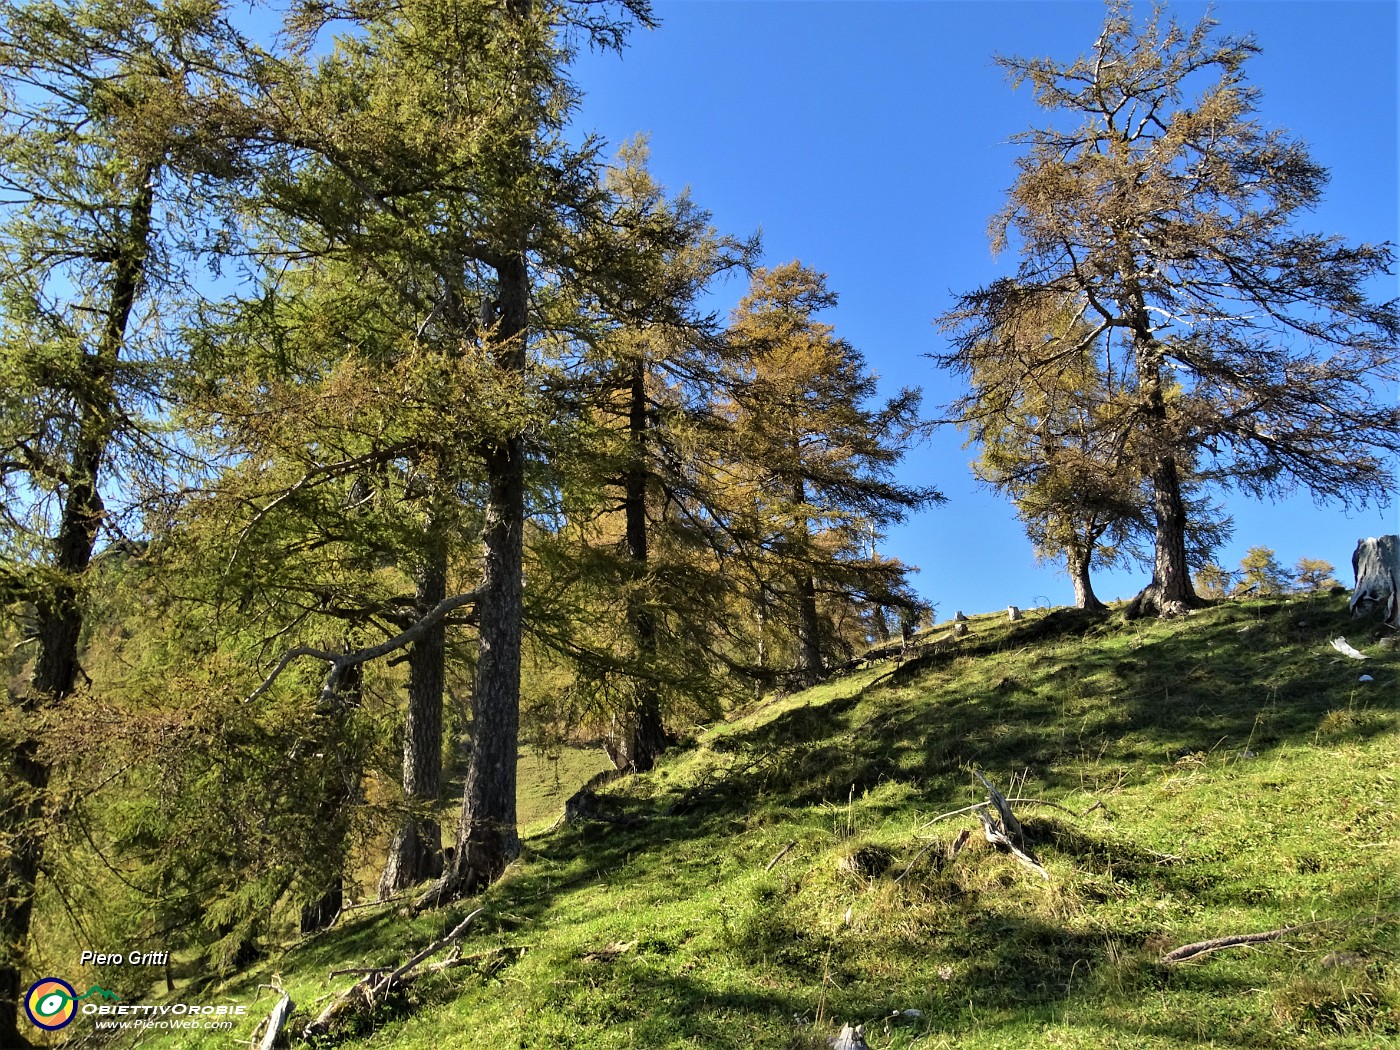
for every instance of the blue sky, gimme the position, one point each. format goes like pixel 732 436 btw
pixel 870 140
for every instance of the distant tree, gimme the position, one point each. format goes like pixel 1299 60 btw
pixel 1164 212
pixel 812 456
pixel 1261 574
pixel 1213 582
pixel 1314 574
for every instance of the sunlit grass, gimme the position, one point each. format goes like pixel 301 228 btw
pixel 1224 774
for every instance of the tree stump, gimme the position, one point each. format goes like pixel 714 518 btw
pixel 273 1035
pixel 1376 562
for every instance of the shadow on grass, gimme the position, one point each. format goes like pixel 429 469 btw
pixel 1076 700
pixel 1103 695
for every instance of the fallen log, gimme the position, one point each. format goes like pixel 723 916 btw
pixel 268 1033
pixel 1190 951
pixel 276 1021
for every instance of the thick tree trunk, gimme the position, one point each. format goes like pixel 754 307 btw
pixel 60 615
pixel 487 839
pixel 1084 596
pixel 486 833
pixel 416 851
pixel 1170 593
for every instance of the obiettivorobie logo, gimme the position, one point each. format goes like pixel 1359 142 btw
pixel 52 1004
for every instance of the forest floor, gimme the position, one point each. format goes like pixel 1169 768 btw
pixel 794 867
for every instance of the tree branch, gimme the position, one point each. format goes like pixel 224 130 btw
pixel 340 663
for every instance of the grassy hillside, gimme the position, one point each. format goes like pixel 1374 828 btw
pixel 792 869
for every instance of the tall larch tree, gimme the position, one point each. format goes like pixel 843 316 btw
pixel 659 363
pixel 1159 204
pixel 105 146
pixel 812 457
pixel 469 179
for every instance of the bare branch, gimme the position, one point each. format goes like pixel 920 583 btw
pixel 341 662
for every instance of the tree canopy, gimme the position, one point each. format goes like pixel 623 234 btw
pixel 1159 208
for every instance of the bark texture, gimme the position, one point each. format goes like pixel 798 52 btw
pixel 487 839
pixel 1078 564
pixel 1170 593
pixel 641 734
pixel 1376 563
pixel 416 851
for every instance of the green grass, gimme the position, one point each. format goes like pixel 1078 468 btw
pixel 1226 773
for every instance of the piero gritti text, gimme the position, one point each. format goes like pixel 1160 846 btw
pixel 90 958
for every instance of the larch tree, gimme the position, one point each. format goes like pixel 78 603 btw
pixel 638 522
pixel 1261 574
pixel 109 138
pixel 1160 206
pixel 1057 436
pixel 812 458
pixel 1213 582
pixel 338 428
pixel 1054 437
pixel 466 178
pixel 1315 574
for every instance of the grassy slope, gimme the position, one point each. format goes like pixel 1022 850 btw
pixel 1223 774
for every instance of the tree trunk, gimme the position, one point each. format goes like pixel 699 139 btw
pixel 338 699
pixel 809 656
pixel 809 650
pixel 321 913
pixel 880 621
pixel 487 839
pixel 60 613
pixel 1084 596
pixel 761 677
pixel 416 851
pixel 1170 593
pixel 642 726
